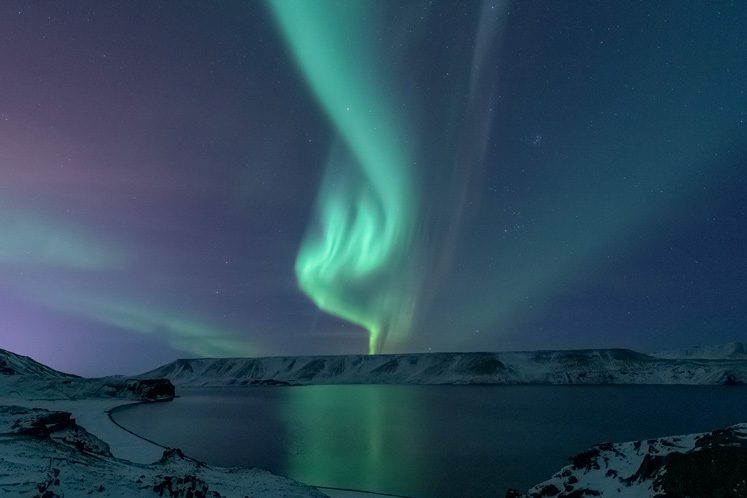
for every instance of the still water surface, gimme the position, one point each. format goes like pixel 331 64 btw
pixel 424 441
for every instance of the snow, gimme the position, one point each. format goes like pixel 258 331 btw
pixel 33 466
pixel 614 470
pixel 132 459
pixel 615 366
pixel 57 439
pixel 16 364
pixel 729 351
pixel 56 435
pixel 93 415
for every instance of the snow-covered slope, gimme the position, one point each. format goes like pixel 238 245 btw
pixel 695 465
pixel 22 377
pixel 39 388
pixel 45 453
pixel 15 364
pixel 730 351
pixel 614 366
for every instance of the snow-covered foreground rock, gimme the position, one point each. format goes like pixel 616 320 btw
pixel 46 454
pixel 712 464
pixel 613 366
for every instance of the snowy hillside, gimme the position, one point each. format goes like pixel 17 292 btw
pixel 614 366
pixel 15 364
pixel 22 377
pixel 45 453
pixel 730 351
pixel 708 464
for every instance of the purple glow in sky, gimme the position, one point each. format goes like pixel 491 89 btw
pixel 580 169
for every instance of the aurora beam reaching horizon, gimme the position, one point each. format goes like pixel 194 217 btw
pixel 352 262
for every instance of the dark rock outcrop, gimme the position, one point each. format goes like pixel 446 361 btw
pixel 36 422
pixel 151 389
pixel 50 425
pixel 717 466
pixel 712 464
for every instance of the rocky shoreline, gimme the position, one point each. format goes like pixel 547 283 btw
pixel 46 454
pixel 695 465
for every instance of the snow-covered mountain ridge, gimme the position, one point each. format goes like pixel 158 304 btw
pixel 46 453
pixel 729 351
pixel 16 364
pixel 597 366
pixel 21 376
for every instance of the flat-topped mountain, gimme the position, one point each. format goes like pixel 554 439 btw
pixel 594 366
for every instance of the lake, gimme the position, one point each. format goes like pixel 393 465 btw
pixel 423 441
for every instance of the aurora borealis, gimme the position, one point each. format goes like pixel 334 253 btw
pixel 354 267
pixel 337 176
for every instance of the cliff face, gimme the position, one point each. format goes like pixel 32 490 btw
pixel 150 389
pixel 616 366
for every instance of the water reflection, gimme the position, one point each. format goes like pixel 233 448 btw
pixel 424 441
pixel 346 437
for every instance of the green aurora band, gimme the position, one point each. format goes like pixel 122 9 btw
pixel 352 262
pixel 42 246
pixel 31 240
pixel 181 330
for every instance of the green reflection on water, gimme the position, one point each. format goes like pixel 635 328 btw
pixel 354 441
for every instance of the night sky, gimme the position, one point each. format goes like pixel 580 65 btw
pixel 183 179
